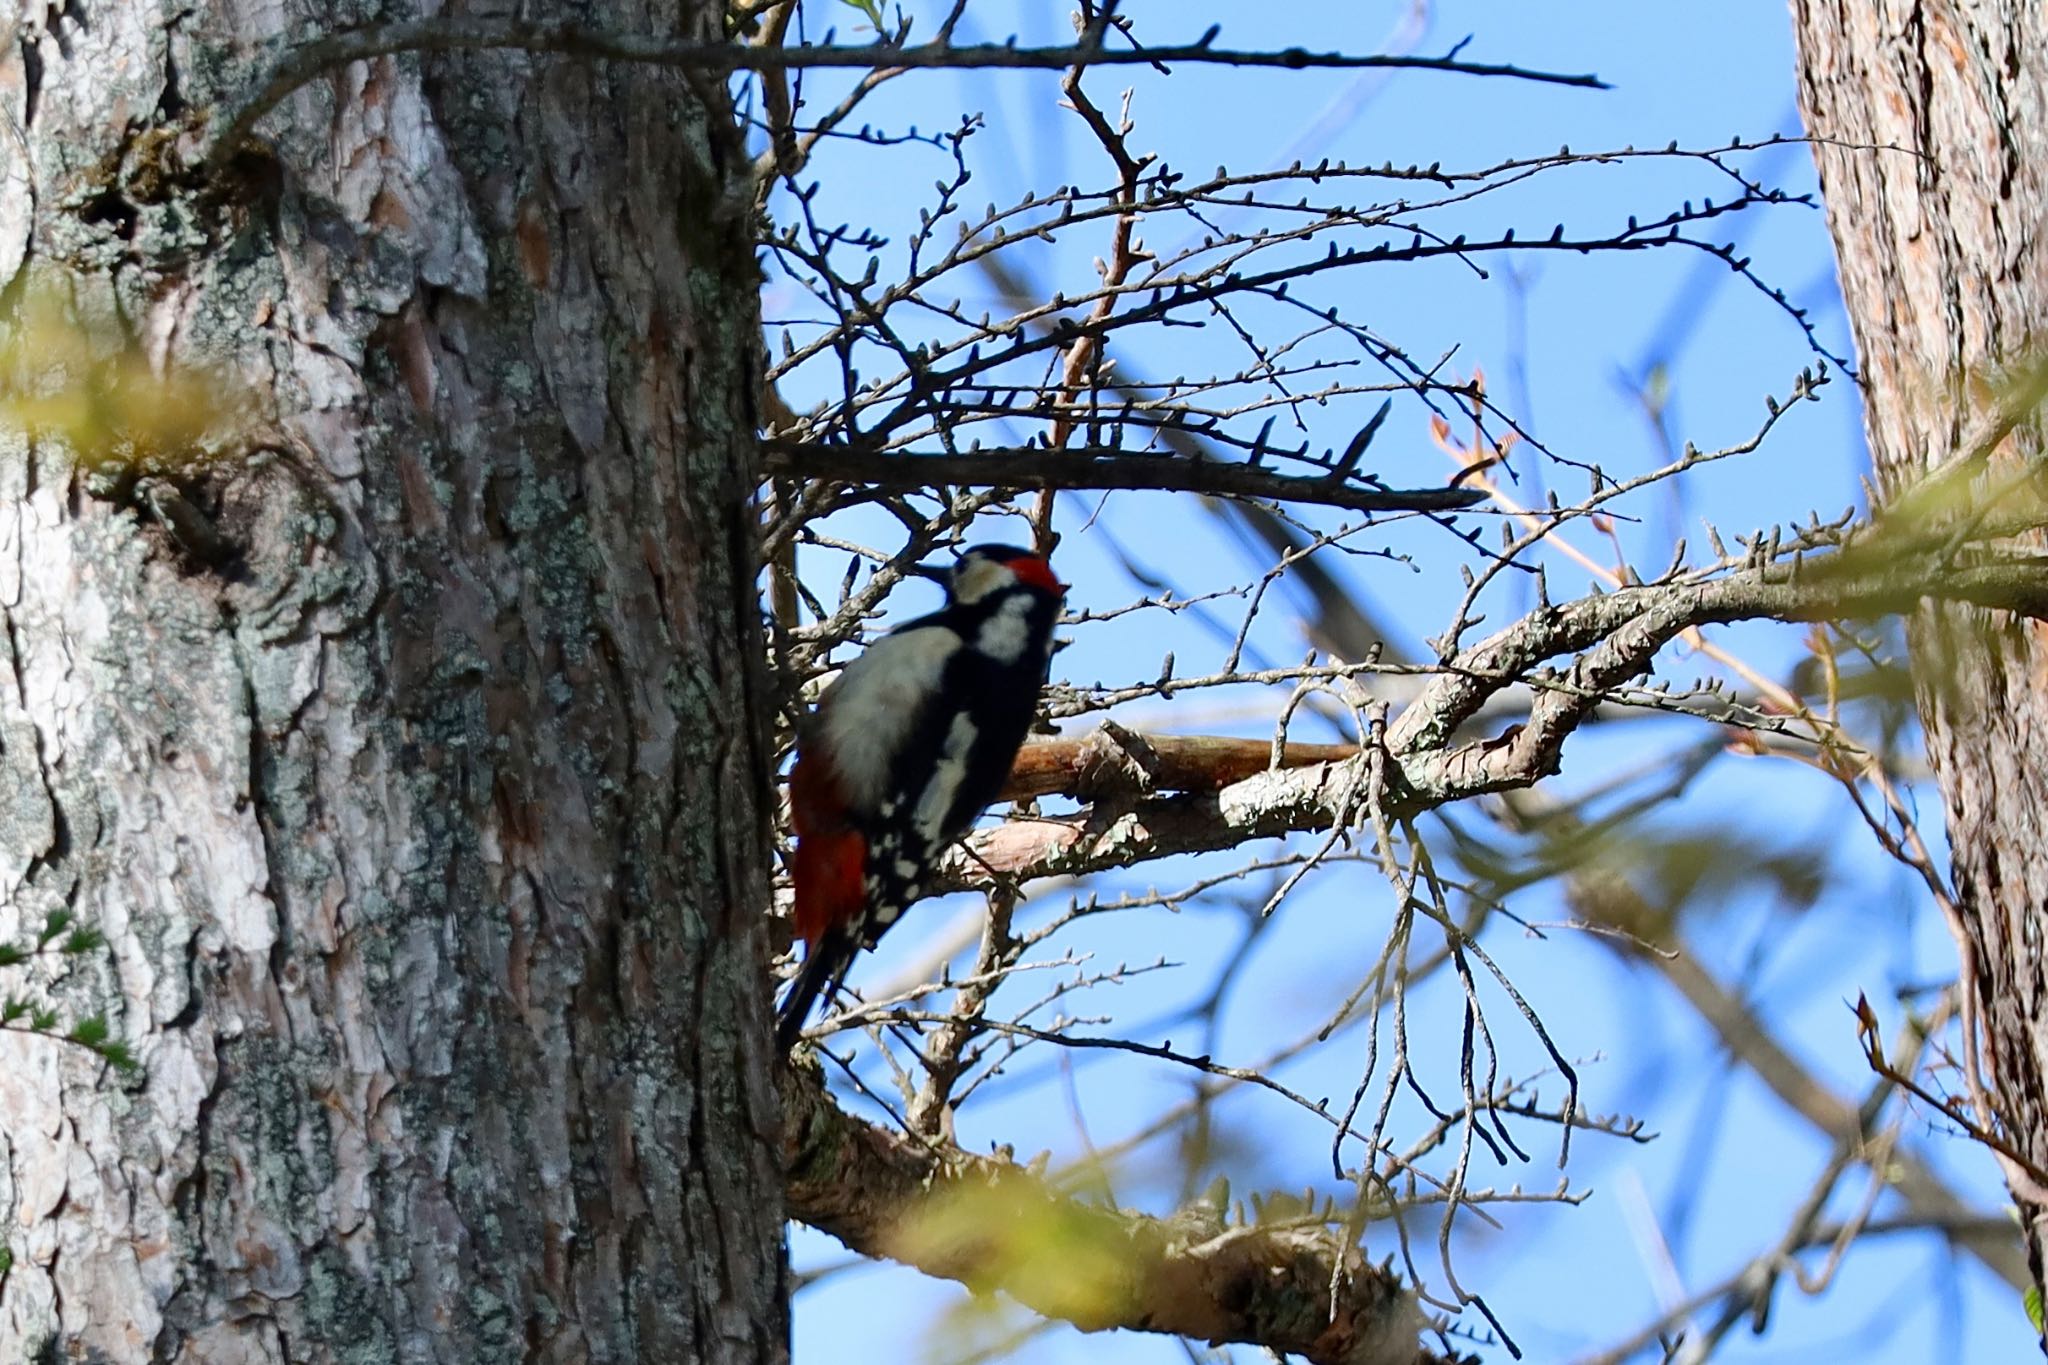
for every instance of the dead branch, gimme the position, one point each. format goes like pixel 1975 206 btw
pixel 1112 761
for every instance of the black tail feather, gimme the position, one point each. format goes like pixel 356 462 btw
pixel 824 968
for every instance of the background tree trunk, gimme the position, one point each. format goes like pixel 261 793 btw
pixel 428 823
pixel 1940 220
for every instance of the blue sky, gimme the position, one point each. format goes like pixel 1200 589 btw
pixel 1565 342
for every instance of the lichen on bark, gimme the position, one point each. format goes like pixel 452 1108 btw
pixel 407 749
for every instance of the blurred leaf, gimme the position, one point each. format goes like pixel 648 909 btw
pixel 1058 1256
pixel 1657 387
pixel 2032 1299
pixel 80 381
pixel 1627 872
pixel 871 8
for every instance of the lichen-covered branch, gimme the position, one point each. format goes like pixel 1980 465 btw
pixel 427 842
pixel 992 1224
pixel 1617 635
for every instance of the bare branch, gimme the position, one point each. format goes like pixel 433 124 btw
pixel 1621 633
pixel 299 63
pixel 1749 1040
pixel 1106 469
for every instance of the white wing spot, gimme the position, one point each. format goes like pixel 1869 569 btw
pixel 905 868
pixel 947 775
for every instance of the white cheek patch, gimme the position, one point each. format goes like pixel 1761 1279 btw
pixel 870 709
pixel 947 775
pixel 1004 635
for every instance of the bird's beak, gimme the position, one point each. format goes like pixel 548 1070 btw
pixel 937 573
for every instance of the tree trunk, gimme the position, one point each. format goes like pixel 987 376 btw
pixel 1936 179
pixel 422 798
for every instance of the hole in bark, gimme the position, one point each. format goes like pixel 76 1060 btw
pixel 110 210
pixel 182 515
pixel 170 106
pixel 31 80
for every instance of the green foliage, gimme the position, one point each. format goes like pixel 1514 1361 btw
pixel 54 924
pixel 120 1056
pixel 61 936
pixel 94 1034
pixel 2032 1300
pixel 84 941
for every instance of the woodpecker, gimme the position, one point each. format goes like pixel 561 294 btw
pixel 908 746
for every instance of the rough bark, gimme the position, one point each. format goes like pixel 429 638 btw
pixel 1936 180
pixel 427 823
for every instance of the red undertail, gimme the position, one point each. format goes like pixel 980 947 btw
pixel 830 868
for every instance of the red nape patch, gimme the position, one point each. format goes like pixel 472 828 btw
pixel 1035 570
pixel 830 871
